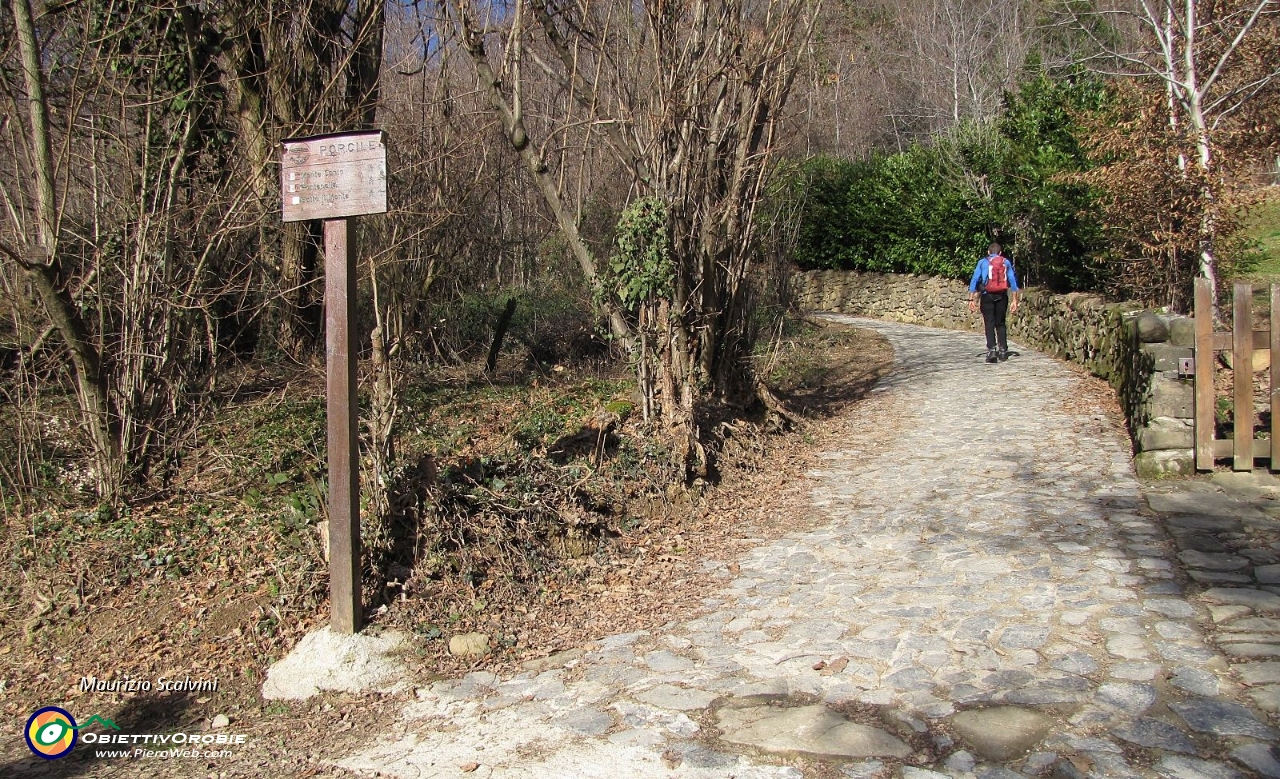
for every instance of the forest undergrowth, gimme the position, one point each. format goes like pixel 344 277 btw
pixel 532 505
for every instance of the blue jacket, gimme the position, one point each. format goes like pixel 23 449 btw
pixel 983 272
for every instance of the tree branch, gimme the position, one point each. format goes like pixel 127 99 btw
pixel 1235 44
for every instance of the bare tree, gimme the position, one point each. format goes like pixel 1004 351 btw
pixel 687 97
pixel 506 95
pixel 145 218
pixel 45 270
pixel 964 54
pixel 882 75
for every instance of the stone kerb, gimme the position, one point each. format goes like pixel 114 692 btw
pixel 1135 351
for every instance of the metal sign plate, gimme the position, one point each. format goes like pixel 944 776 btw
pixel 333 176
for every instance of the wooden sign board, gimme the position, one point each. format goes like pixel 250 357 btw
pixel 334 176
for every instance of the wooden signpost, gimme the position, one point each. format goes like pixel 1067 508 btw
pixel 336 177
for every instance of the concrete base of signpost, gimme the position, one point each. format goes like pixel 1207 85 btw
pixel 327 661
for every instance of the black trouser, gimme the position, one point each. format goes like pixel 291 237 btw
pixel 995 305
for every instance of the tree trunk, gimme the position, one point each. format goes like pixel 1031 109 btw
pixel 499 333
pixel 300 312
pixel 91 385
pixel 365 66
pixel 1204 156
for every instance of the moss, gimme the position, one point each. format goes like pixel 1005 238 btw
pixel 1164 464
pixel 622 408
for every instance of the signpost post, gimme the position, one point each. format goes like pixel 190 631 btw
pixel 336 177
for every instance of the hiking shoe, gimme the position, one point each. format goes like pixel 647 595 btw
pixel 1003 355
pixel 991 355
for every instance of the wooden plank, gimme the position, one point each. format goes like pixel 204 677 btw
pixel 1204 376
pixel 1275 376
pixel 1225 342
pixel 1242 360
pixel 1224 448
pixel 333 176
pixel 341 354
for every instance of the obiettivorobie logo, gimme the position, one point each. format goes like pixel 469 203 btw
pixel 51 731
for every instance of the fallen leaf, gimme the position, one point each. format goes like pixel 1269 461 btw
pixel 1082 763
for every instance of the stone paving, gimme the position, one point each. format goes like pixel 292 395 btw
pixel 1227 531
pixel 988 594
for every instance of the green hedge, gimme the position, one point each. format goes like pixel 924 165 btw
pixel 934 208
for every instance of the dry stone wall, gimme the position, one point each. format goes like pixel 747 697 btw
pixel 1135 350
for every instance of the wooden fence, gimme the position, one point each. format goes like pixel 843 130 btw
pixel 1242 341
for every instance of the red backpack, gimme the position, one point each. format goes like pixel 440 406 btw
pixel 997 275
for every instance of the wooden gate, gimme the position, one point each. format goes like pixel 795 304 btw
pixel 1242 341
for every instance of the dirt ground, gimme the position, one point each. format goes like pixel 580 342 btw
pixel 199 627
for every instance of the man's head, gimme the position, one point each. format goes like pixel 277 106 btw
pixel 993 248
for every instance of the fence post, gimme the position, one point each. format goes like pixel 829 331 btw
pixel 1274 454
pixel 1242 362
pixel 1204 376
pixel 343 413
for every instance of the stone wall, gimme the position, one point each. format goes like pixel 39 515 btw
pixel 1136 351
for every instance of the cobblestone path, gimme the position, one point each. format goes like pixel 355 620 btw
pixel 988 595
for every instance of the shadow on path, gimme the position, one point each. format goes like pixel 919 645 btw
pixel 148 713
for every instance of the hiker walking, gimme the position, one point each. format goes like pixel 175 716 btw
pixel 994 288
